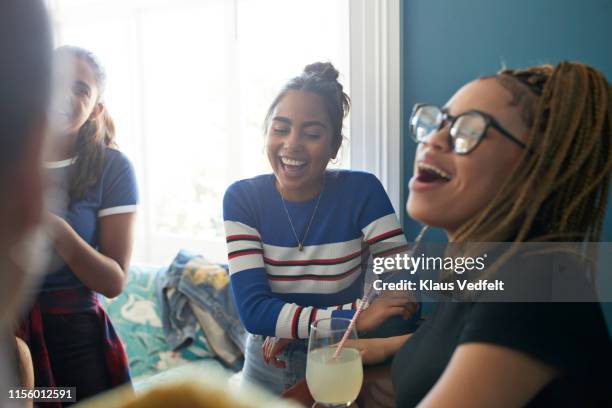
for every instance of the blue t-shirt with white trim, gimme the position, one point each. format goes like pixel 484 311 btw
pixel 116 192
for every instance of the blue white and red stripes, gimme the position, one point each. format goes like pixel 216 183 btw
pixel 280 290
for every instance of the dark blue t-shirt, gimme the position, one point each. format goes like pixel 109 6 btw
pixel 115 192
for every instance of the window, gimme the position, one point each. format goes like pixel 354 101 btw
pixel 189 82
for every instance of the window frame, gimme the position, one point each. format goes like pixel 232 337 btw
pixel 375 92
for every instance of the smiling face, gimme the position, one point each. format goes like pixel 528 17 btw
pixel 299 144
pixel 447 189
pixel 76 95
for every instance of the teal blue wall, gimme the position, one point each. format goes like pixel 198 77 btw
pixel 446 43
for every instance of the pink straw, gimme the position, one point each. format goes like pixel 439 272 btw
pixel 362 305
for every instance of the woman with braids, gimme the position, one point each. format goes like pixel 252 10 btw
pixel 72 340
pixel 522 156
pixel 296 237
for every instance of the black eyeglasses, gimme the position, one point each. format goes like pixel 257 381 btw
pixel 465 131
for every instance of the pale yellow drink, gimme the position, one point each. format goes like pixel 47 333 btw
pixel 334 381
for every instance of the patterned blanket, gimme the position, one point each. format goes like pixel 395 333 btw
pixel 136 315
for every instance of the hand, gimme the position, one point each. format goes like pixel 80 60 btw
pixel 373 351
pixel 384 306
pixel 411 307
pixel 271 348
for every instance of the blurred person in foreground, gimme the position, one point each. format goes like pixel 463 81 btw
pixel 25 76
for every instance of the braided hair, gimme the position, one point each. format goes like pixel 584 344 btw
pixel 560 188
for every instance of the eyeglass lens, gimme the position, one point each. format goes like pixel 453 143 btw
pixel 465 132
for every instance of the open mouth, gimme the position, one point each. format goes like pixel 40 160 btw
pixel 427 173
pixel 292 166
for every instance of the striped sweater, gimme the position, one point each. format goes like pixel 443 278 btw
pixel 279 290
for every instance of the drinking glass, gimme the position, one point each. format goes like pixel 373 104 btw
pixel 333 382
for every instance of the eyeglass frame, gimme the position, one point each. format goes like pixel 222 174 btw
pixel 490 121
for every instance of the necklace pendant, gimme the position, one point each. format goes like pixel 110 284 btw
pixel 301 247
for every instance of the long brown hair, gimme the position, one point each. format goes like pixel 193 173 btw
pixel 94 136
pixel 559 190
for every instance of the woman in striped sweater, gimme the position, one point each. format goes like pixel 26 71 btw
pixel 297 237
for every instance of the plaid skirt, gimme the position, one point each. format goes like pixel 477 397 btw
pixel 65 302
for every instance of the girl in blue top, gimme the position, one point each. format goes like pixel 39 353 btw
pixel 297 238
pixel 72 340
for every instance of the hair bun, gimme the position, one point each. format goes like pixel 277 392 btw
pixel 323 70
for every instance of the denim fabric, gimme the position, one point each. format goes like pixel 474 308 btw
pixel 275 380
pixel 190 278
pixel 178 321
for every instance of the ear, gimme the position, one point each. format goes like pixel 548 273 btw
pixel 97 111
pixel 335 147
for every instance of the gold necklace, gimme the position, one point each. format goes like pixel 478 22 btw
pixel 301 243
